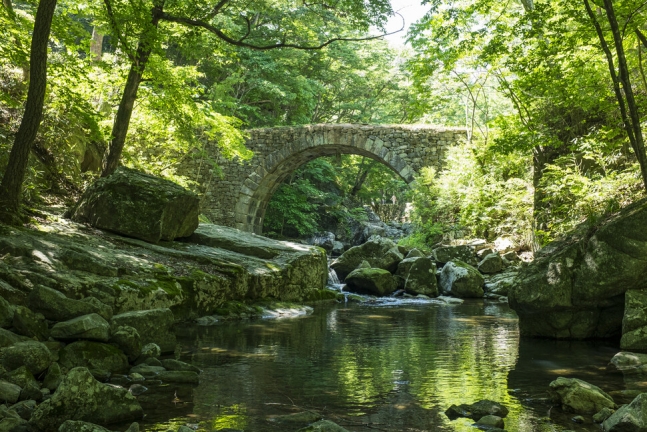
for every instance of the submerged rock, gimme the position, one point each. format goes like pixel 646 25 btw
pixel 575 287
pixel 81 397
pixel 477 410
pixel 578 396
pixel 372 281
pixel 461 280
pixel 139 205
pixel 380 253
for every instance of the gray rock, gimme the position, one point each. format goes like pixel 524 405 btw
pixel 574 289
pixel 91 327
pixel 176 365
pixel 139 205
pixel 501 283
pixel 53 377
pixel 461 280
pixel 575 395
pixel 417 275
pixel 445 254
pixel 511 257
pixel 629 363
pixel 24 408
pixel 323 426
pixel 414 253
pixel 372 281
pixel 94 356
pixel 491 421
pixel 6 313
pixel 150 350
pixel 629 418
pixel 80 426
pixel 104 310
pixel 81 397
pixel 153 326
pixel 379 252
pixel 180 377
pixel 55 306
pixel 30 324
pixel 601 416
pixel 8 338
pixel 337 248
pixel 9 392
pixel 148 372
pixel 491 263
pixel 137 389
pixel 34 355
pixel 127 339
pixel 634 322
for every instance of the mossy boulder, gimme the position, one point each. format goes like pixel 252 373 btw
pixel 575 288
pixel 91 327
pixel 461 280
pixel 127 339
pixel 371 281
pixel 30 324
pixel 81 397
pixel 445 254
pixel 31 354
pixel 578 396
pixel 55 306
pixel 491 263
pixel 378 251
pixel 631 417
pixel 139 205
pixel 93 355
pixel 417 275
pixel 6 313
pixel 153 326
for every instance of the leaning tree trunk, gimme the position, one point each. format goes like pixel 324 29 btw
pixel 14 175
pixel 125 110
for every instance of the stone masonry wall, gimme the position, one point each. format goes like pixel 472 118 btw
pixel 240 197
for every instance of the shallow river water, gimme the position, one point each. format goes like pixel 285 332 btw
pixel 394 367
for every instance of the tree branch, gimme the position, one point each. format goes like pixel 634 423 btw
pixel 241 43
pixel 115 29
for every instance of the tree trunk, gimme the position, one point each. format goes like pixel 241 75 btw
pixel 96 45
pixel 125 110
pixel 14 175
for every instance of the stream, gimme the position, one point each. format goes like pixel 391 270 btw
pixel 387 366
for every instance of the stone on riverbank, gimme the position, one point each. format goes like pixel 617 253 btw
pixel 94 356
pixel 575 395
pixel 629 418
pixel 461 280
pixel 34 355
pixel 491 263
pixel 81 426
pixel 153 326
pixel 373 281
pixel 55 306
pixel 575 287
pixel 81 397
pixel 90 327
pixel 139 205
pixel 445 254
pixel 127 339
pixel 380 253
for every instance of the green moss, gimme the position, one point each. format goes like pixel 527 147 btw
pixel 169 284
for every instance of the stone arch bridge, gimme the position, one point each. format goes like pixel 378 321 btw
pixel 240 196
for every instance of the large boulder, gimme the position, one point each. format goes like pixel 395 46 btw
pixel 629 418
pixel 81 397
pixel 417 275
pixel 378 251
pixel 152 325
pixel 34 355
pixel 91 327
pixel 93 355
pixel 634 323
pixel 578 396
pixel 371 281
pixel 575 288
pixel 30 324
pixel 55 306
pixel 139 205
pixel 461 280
pixel 491 263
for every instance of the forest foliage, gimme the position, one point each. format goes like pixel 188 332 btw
pixel 551 93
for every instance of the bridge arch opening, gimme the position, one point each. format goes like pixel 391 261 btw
pixel 261 185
